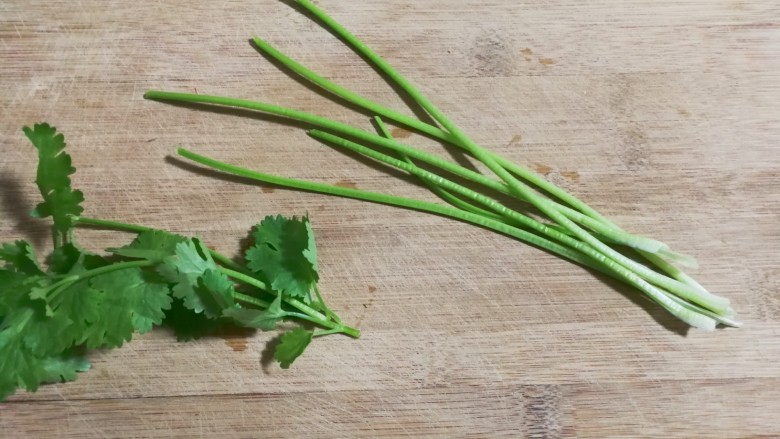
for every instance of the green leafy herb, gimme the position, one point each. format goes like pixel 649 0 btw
pixel 82 301
pixel 265 319
pixel 285 253
pixel 197 280
pixel 292 345
pixel 152 245
pixel 60 201
pixel 20 256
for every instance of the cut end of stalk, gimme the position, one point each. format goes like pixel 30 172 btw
pixel 684 278
pixel 259 42
pixel 730 322
pixel 647 244
pixel 699 321
pixel 678 258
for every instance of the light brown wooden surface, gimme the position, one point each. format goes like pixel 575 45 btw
pixel 663 114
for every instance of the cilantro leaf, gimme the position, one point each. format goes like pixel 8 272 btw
pixel 15 288
pixel 265 319
pixel 153 245
pixel 310 253
pixel 22 368
pixel 188 325
pixel 292 346
pixel 216 290
pixel 70 259
pixel 63 367
pixel 131 300
pixel 67 317
pixel 20 256
pixel 60 201
pixel 197 279
pixel 285 254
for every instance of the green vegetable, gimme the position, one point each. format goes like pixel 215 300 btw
pixel 292 346
pixel 572 229
pixel 60 201
pixel 50 317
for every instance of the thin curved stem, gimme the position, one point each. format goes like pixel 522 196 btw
pixel 517 187
pixel 489 203
pixel 440 192
pixel 349 131
pixel 63 284
pixel 436 132
pixel 401 118
pixel 251 300
pixel 392 200
pixel 597 263
pixel 313 315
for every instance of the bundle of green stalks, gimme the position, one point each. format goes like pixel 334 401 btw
pixel 567 227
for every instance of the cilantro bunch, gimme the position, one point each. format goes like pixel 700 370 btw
pixel 50 317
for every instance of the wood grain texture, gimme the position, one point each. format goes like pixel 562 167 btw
pixel 665 115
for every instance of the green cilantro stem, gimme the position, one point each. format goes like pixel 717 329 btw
pixel 312 314
pixel 321 303
pixel 61 285
pixel 114 267
pixel 227 262
pixel 251 300
pixel 107 224
pixel 127 227
pixel 320 333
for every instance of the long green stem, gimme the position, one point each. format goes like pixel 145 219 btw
pixel 442 135
pixel 360 134
pixel 613 234
pixel 391 200
pixel 251 300
pixel 395 116
pixel 107 224
pixel 440 192
pixel 519 188
pixel 349 131
pixel 483 200
pixel 597 263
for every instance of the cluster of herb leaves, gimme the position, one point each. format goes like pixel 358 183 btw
pixel 51 316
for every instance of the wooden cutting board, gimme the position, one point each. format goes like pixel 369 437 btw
pixel 664 115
